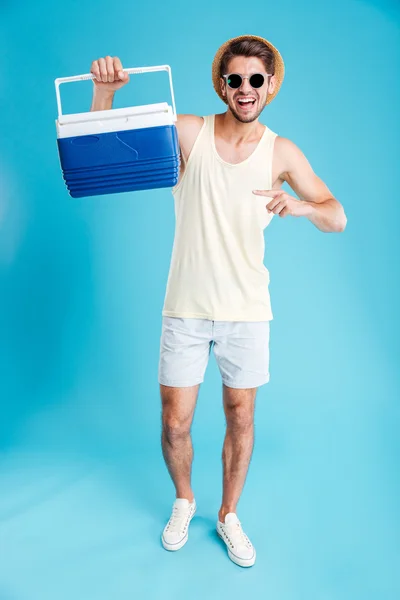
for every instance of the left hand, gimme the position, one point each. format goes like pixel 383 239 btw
pixel 283 204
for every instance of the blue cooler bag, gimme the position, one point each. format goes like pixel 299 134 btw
pixel 118 150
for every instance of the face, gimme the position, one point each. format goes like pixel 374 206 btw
pixel 246 113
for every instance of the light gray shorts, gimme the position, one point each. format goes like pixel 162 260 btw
pixel 241 349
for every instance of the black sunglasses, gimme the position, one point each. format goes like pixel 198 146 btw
pixel 234 80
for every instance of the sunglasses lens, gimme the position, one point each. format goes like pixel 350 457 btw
pixel 234 81
pixel 256 80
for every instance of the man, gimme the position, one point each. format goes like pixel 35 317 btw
pixel 232 171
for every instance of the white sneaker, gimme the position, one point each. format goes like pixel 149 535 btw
pixel 240 550
pixel 176 531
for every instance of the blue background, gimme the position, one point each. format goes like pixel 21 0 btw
pixel 84 493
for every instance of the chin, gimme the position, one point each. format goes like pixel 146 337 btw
pixel 244 118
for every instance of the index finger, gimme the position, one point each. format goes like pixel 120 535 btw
pixel 118 67
pixel 272 193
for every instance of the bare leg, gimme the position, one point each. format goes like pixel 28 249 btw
pixel 178 404
pixel 238 445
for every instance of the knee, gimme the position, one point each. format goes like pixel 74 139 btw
pixel 239 417
pixel 175 428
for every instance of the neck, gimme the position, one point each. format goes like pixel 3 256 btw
pixel 235 131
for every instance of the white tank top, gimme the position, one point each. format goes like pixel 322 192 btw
pixel 217 270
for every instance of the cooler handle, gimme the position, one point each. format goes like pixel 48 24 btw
pixel 135 70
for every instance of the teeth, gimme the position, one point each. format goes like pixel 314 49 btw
pixel 246 101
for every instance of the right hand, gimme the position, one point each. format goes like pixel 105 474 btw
pixel 109 76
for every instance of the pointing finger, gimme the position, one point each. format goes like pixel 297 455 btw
pixel 271 193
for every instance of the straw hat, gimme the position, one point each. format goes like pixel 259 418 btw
pixel 279 65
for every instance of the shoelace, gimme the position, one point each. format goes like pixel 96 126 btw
pixel 178 520
pixel 237 534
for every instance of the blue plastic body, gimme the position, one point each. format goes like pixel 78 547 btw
pixel 120 161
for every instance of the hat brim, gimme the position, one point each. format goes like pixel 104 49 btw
pixel 279 66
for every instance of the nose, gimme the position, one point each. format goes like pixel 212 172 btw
pixel 246 87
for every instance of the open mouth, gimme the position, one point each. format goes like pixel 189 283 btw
pixel 246 103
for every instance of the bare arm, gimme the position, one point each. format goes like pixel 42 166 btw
pixel 101 101
pixel 316 203
pixel 109 77
pixel 324 210
pixel 188 127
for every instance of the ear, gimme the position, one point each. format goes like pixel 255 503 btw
pixel 272 84
pixel 223 86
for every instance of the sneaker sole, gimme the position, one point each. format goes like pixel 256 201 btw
pixel 178 545
pixel 242 562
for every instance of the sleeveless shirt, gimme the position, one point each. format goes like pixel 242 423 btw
pixel 217 270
